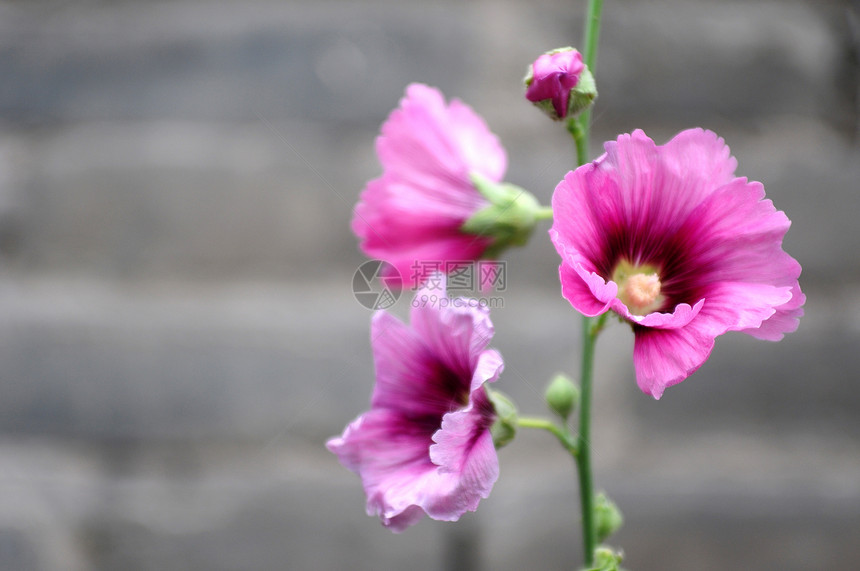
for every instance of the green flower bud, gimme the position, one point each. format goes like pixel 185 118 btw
pixel 605 559
pixel 562 396
pixel 505 426
pixel 607 517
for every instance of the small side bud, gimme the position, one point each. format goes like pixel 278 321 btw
pixel 505 426
pixel 560 84
pixel 606 559
pixel 607 517
pixel 562 396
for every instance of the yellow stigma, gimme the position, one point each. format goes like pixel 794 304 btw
pixel 638 287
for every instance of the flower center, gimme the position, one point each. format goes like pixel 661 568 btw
pixel 642 289
pixel 638 287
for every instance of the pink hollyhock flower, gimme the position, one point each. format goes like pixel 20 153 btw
pixel 425 444
pixel 552 77
pixel 412 215
pixel 674 243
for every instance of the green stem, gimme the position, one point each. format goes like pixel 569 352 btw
pixel 544 213
pixel 591 328
pixel 583 459
pixel 592 34
pixel 581 129
pixel 589 56
pixel 562 434
pixel 580 138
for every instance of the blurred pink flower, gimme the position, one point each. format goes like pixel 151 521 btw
pixel 411 216
pixel 425 444
pixel 552 77
pixel 669 239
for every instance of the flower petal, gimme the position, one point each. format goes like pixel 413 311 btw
pixel 416 259
pixel 578 221
pixel 736 235
pixel 490 365
pixel 585 290
pixel 384 448
pixel 736 306
pixel 480 148
pixel 681 315
pixel 410 377
pixel 464 446
pixel 454 330
pixel 786 319
pixel 424 137
pixel 665 357
pixel 702 155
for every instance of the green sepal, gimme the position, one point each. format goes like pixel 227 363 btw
pixel 548 108
pixel 504 428
pixel 583 94
pixel 509 219
pixel 607 517
pixel 562 396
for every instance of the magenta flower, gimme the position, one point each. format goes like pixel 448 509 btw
pixel 552 77
pixel 425 444
pixel 674 243
pixel 412 215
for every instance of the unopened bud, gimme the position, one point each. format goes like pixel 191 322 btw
pixel 562 396
pixel 607 517
pixel 606 559
pixel 560 84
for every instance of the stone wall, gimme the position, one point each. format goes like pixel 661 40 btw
pixel 178 334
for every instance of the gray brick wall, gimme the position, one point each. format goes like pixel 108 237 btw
pixel 178 336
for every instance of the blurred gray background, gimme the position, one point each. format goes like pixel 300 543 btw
pixel 178 334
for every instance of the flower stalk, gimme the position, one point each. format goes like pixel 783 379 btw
pixel 579 445
pixel 591 327
pixel 589 55
pixel 580 129
pixel 562 433
pixel 544 213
